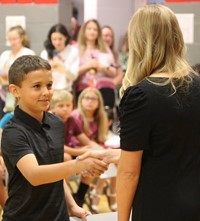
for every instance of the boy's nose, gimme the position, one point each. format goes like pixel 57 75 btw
pixel 45 90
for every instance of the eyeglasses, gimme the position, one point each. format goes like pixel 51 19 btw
pixel 93 99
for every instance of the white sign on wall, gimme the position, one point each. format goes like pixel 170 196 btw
pixel 90 9
pixel 186 22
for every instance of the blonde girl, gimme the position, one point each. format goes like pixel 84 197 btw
pixel 91 118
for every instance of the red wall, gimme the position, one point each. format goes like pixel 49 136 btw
pixel 28 1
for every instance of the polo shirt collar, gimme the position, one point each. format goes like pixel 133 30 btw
pixel 31 121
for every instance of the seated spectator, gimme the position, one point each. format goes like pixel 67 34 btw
pixel 62 106
pixel 91 118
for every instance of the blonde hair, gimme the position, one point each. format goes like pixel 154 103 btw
pixel 100 45
pixel 60 95
pixel 156 45
pixel 22 34
pixel 99 115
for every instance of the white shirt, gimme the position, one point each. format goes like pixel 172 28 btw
pixel 6 60
pixel 67 72
pixel 7 57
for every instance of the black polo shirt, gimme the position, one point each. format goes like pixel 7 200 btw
pixel 24 135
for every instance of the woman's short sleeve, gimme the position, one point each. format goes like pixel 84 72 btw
pixel 135 121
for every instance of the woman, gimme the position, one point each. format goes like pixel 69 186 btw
pixel 96 62
pixel 159 167
pixel 63 57
pixel 109 39
pixel 19 45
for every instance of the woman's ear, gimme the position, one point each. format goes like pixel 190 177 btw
pixel 14 89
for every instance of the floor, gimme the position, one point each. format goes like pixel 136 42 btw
pixel 103 205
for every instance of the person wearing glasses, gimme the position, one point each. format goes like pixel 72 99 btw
pixel 91 117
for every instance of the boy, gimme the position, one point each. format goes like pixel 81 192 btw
pixel 32 148
pixel 62 106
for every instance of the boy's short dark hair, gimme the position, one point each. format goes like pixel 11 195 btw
pixel 24 65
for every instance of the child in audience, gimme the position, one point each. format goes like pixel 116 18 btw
pixel 32 148
pixel 91 118
pixel 112 141
pixel 62 106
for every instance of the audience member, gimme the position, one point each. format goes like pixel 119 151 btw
pixel 91 118
pixel 97 190
pixel 109 39
pixel 62 106
pixel 19 44
pixel 63 57
pixel 124 52
pixel 96 63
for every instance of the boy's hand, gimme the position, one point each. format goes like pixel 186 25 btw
pixel 91 166
pixel 108 156
pixel 77 211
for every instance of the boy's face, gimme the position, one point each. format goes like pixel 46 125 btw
pixel 63 109
pixel 35 93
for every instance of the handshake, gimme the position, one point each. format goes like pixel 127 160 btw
pixel 94 163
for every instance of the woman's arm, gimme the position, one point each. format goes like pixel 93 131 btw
pixel 42 174
pixel 127 176
pixel 91 64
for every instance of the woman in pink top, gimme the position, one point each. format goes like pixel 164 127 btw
pixel 97 64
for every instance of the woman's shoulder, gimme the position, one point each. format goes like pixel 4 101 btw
pixel 133 97
pixel 27 51
pixel 44 54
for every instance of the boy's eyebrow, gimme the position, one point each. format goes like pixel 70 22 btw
pixel 39 82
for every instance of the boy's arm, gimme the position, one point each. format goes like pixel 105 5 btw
pixel 42 174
